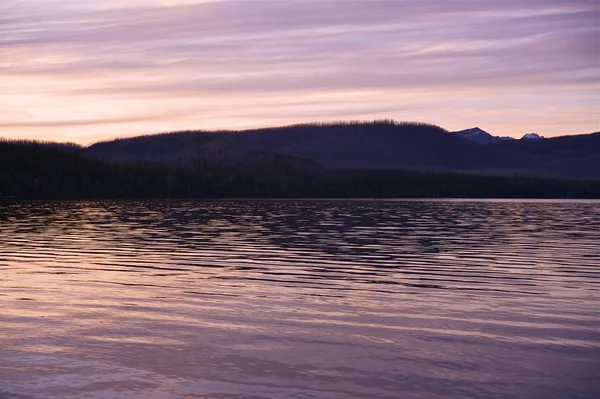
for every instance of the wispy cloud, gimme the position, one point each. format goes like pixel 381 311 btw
pixel 221 64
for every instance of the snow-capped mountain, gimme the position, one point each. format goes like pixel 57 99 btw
pixel 531 136
pixel 480 136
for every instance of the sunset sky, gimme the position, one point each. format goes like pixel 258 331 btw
pixel 86 70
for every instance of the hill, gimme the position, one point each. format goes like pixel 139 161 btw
pixel 373 145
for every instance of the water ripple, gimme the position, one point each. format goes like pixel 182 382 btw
pixel 300 299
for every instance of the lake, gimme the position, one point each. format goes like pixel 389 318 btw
pixel 300 299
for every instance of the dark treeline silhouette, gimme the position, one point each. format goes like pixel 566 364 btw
pixel 45 171
pixel 72 147
pixel 186 134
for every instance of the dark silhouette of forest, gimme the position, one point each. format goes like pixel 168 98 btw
pixel 35 170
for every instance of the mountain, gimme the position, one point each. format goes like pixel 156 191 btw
pixel 531 136
pixel 322 148
pixel 479 136
pixel 380 144
pixel 567 156
pixel 372 145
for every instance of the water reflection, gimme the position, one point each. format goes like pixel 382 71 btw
pixel 300 299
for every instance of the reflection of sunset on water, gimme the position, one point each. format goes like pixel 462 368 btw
pixel 289 298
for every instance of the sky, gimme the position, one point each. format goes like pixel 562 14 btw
pixel 89 70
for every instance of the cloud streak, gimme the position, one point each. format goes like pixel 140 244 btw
pixel 223 64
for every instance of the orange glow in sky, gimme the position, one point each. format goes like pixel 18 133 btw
pixel 87 70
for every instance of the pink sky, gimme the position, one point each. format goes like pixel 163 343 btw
pixel 87 70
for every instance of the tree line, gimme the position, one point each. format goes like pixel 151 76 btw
pixel 45 171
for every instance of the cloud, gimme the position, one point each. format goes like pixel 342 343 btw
pixel 84 122
pixel 187 54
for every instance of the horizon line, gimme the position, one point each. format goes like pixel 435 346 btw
pixel 351 122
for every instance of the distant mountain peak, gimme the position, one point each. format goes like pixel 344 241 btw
pixel 479 136
pixel 531 136
pixel 475 131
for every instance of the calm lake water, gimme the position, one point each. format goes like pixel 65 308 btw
pixel 300 299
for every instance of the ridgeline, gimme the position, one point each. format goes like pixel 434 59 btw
pixel 37 170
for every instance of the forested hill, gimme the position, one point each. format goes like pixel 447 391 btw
pixel 43 171
pixel 372 145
